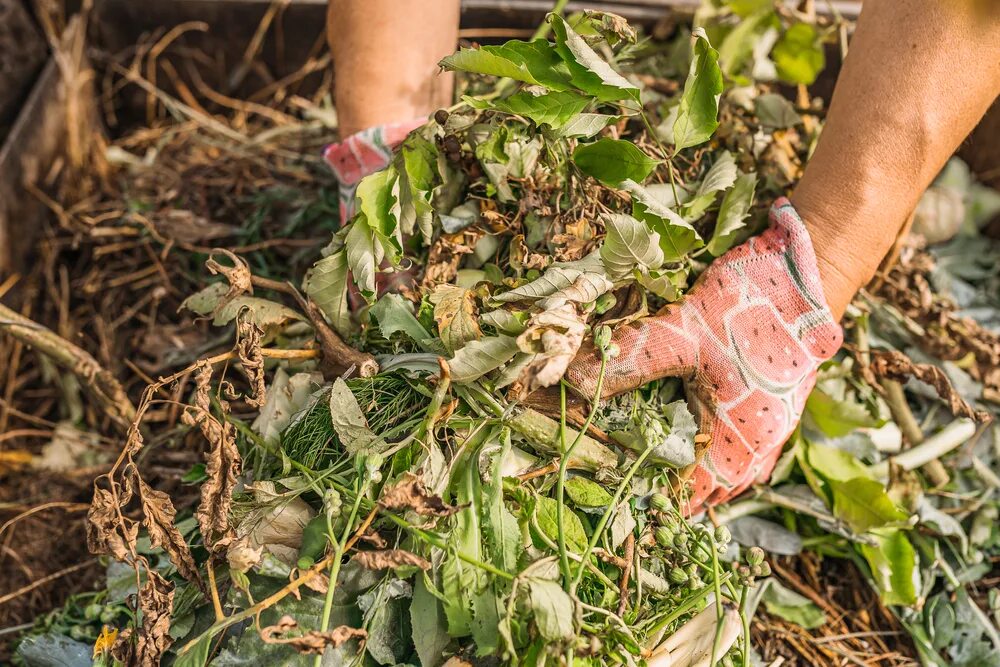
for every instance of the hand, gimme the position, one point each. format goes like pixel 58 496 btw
pixel 364 153
pixel 747 341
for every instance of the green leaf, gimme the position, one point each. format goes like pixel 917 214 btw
pixel 733 213
pixel 586 124
pixel 629 246
pixel 554 108
pixel 789 605
pixel 721 176
pixel 363 255
pixel 348 420
pixel 589 71
pixel 612 161
pixel 798 55
pixel 418 176
pixel 552 608
pixel 737 46
pixel 461 580
pixel 559 276
pixel 503 534
pixel 834 464
pixel 456 316
pixel 585 493
pixel 429 625
pixel 895 567
pixel 394 313
pixel 487 608
pixel 698 111
pixel 836 418
pixel 479 357
pixel 864 504
pixel 677 236
pixel 326 284
pixel 534 62
pixel 546 513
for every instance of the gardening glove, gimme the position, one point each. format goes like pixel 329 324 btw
pixel 364 153
pixel 747 340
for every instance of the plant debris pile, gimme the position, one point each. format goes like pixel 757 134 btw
pixel 378 485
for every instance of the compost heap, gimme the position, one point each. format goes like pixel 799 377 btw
pixel 379 492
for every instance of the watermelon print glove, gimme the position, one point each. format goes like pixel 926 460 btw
pixel 364 153
pixel 747 340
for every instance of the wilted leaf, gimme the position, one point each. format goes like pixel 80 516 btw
pixel 390 558
pixel 409 493
pixel 326 284
pixel 480 357
pixel 612 161
pixel 248 349
pixel 158 517
pixel 238 275
pixel 554 336
pixel 733 213
pixel 774 111
pixel 268 315
pixel 348 420
pixel 721 176
pixel 552 608
pixel 364 255
pixel 557 277
pixel 456 316
pixel 394 313
pixel 794 608
pixel 629 246
pixel 105 533
pixel 311 642
pixel 155 603
pixel 698 111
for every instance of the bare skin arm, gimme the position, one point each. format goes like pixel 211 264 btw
pixel 918 77
pixel 385 55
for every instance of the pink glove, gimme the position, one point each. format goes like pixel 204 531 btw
pixel 364 153
pixel 747 340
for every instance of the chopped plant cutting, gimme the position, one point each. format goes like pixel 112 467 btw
pixel 433 448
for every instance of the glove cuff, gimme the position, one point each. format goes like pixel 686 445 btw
pixel 367 151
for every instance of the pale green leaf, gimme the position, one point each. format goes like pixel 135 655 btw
pixel 789 605
pixel 586 124
pixel 348 420
pixel 677 236
pixel 629 246
pixel 612 161
pixel 774 111
pixel 733 213
pixel 557 277
pixel 395 314
pixel 546 513
pixel 834 464
pixel 590 72
pixel 480 357
pixel 506 321
pixel 721 176
pixel 552 608
pixel 326 284
pixel 364 255
pixel 864 504
pixel 501 529
pixel 429 625
pixel 698 111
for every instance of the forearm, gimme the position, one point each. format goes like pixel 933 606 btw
pixel 385 55
pixel 918 77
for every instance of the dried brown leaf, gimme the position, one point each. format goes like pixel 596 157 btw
pixel 312 641
pixel 456 315
pixel 156 600
pixel 158 518
pixel 411 494
pixel 554 336
pixel 222 467
pixel 106 535
pixel 390 558
pixel 895 365
pixel 238 275
pixel 248 347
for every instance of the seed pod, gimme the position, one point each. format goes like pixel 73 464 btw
pixel 441 116
pixel 765 569
pixel 755 556
pixel 604 303
pixel 451 144
pixel 681 540
pixel 332 503
pixel 660 503
pixel 677 575
pixel 92 611
pixel 602 337
pixel 722 535
pixel 664 536
pixel 108 615
pixel 744 571
pixel 613 351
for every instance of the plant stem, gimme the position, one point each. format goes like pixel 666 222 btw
pixel 338 557
pixel 560 488
pixel 951 436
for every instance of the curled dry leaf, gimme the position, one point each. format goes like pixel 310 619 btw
pixel 238 275
pixel 156 600
pixel 390 558
pixel 158 518
pixel 248 342
pixel 446 254
pixel 554 336
pixel 897 366
pixel 312 641
pixel 106 535
pixel 411 494
pixel 222 467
